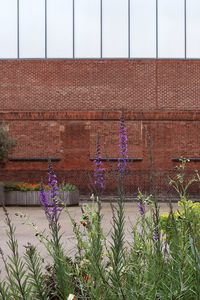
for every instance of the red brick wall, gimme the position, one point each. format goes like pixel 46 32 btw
pixel 57 109
pixel 99 85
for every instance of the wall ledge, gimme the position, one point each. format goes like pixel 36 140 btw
pixel 100 115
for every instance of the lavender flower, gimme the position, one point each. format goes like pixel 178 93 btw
pixel 44 199
pixel 50 199
pixel 53 183
pixel 99 180
pixel 122 147
pixel 142 208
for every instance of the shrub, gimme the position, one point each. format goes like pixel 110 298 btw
pixel 28 187
pixel 67 187
pixel 187 217
pixel 21 186
pixel 6 144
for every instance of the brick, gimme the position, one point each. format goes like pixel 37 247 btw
pixel 56 108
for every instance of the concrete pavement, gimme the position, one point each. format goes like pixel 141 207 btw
pixel 25 232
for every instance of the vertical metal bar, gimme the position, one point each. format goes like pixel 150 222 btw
pixel 157 29
pixel 129 29
pixel 101 28
pixel 45 28
pixel 185 23
pixel 73 28
pixel 18 54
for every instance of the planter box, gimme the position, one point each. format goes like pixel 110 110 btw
pixel 22 198
pixel 70 198
pixel 33 198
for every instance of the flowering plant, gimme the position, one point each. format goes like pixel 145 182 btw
pixel 28 187
pixel 22 186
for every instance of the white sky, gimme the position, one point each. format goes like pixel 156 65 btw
pixel 87 28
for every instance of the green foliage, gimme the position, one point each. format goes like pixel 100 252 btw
pixel 67 187
pixel 188 211
pixel 117 250
pixel 62 273
pixel 90 265
pixel 36 279
pixel 162 261
pixel 180 182
pixel 6 144
pixel 21 187
pixel 30 187
pixel 4 291
pixel 15 267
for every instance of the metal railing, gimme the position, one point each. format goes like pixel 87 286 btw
pixel 102 56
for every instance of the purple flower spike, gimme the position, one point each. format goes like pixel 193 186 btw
pixel 142 208
pixel 122 146
pixel 50 199
pixel 53 183
pixel 99 180
pixel 44 199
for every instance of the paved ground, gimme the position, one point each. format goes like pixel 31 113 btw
pixel 25 233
